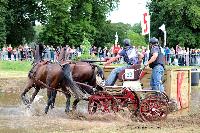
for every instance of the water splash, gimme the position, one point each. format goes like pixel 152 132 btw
pixel 36 108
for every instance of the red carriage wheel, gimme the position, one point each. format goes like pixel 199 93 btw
pixel 132 101
pixel 92 105
pixel 153 108
pixel 161 95
pixel 102 102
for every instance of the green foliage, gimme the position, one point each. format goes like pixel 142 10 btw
pixel 136 39
pixel 3 11
pixel 70 20
pixel 54 31
pixel 86 50
pixel 123 31
pixel 20 19
pixel 182 20
pixel 86 46
pixel 137 28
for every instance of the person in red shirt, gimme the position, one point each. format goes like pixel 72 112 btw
pixel 9 49
pixel 116 49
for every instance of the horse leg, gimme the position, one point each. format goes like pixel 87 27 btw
pixel 74 106
pixel 27 88
pixel 50 99
pixel 68 96
pixel 37 89
pixel 53 94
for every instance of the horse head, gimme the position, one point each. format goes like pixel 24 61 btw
pixel 100 78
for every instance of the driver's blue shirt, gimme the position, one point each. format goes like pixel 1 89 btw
pixel 130 55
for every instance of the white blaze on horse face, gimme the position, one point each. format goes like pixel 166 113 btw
pixel 99 80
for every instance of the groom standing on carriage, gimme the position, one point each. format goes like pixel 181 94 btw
pixel 131 57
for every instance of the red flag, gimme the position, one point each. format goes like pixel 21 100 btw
pixel 145 23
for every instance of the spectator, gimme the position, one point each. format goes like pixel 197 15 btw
pixel 9 49
pixel 100 53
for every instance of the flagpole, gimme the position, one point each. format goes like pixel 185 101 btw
pixel 149 27
pixel 165 38
pixel 149 30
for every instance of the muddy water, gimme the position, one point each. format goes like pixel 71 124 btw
pixel 15 117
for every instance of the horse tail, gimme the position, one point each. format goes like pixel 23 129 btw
pixel 70 83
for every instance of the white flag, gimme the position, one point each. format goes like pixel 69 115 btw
pixel 162 27
pixel 145 23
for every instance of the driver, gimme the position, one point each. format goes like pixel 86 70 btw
pixel 131 57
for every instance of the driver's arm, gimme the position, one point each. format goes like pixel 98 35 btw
pixel 112 60
pixel 153 58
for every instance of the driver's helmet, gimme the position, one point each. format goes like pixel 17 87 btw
pixel 153 41
pixel 127 42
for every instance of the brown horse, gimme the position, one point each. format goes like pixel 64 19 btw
pixel 50 76
pixel 83 73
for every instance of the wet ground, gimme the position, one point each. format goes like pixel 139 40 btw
pixel 15 117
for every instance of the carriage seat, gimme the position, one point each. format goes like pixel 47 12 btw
pixel 130 74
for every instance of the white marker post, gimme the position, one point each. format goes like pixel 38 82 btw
pixel 116 38
pixel 162 27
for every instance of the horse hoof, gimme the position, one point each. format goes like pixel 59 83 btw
pixel 28 106
pixel 67 110
pixel 52 106
pixel 46 110
pixel 25 101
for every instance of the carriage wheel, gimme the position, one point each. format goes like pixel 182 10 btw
pixel 132 101
pixel 102 102
pixel 161 95
pixel 153 108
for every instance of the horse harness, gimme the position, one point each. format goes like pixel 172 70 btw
pixel 32 75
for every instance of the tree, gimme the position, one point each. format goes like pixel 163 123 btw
pixel 137 28
pixel 136 39
pixel 182 20
pixel 20 19
pixel 77 19
pixel 3 12
pixel 81 24
pixel 104 32
pixel 55 28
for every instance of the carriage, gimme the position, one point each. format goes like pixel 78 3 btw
pixel 146 104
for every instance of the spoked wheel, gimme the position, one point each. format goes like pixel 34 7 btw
pixel 153 108
pixel 161 95
pixel 128 104
pixel 131 100
pixel 102 102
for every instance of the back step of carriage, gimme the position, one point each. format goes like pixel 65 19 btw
pixel 114 89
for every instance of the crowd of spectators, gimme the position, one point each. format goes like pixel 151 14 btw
pixel 179 56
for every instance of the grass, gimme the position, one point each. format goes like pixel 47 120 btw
pixel 24 66
pixel 14 68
